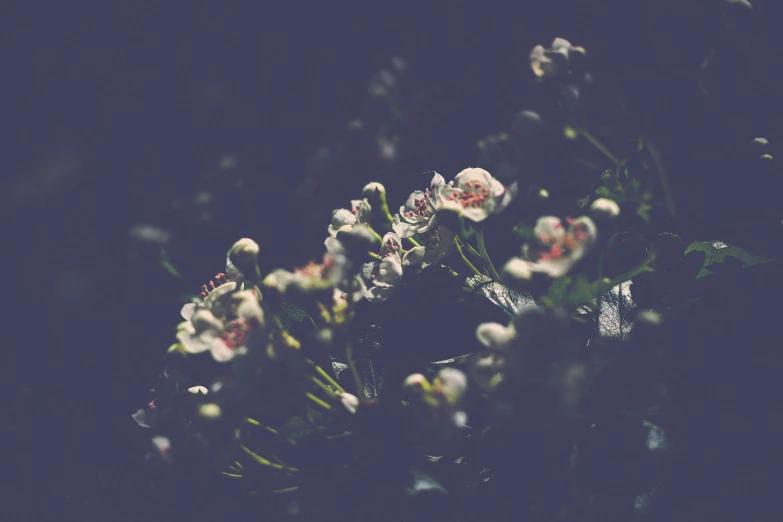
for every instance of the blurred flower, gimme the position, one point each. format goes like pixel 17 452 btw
pixel 603 208
pixel 350 402
pixel 311 278
pixel 163 446
pixel 149 234
pixel 475 194
pixel 490 367
pixel 555 61
pixel 359 213
pixel 559 248
pixel 437 404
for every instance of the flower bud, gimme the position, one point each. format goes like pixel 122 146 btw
pixel 243 256
pixel 371 189
pixel 210 411
pixel 351 402
pixel 604 208
pixel 197 390
pixel 415 384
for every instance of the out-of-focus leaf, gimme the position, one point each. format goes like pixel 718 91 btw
pixel 422 482
pixel 717 252
pixel 508 300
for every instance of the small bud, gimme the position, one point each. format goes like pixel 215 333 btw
pixel 760 141
pixel 210 411
pixel 604 208
pixel 373 188
pixel 244 257
pixel 416 384
pixel 197 390
pixel 351 402
pixel 163 447
pixel 453 383
pixel 570 133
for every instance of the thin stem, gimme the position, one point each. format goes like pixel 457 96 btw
pixel 271 430
pixel 377 236
pixel 355 371
pixel 232 475
pixel 465 259
pixel 323 386
pixel 385 209
pixel 265 462
pixel 600 146
pixel 285 490
pixel 485 255
pixel 325 375
pixel 318 401
pixel 473 250
pixel 413 241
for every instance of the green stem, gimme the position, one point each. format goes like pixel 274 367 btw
pixel 485 256
pixel 323 386
pixel 385 209
pixel 269 429
pixel 600 146
pixel 413 241
pixel 323 373
pixel 377 236
pixel 355 371
pixel 465 259
pixel 318 401
pixel 265 462
pixel 473 250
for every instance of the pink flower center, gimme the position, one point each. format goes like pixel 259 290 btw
pixel 422 206
pixel 235 332
pixel 472 194
pixel 389 248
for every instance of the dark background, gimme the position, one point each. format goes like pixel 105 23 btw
pixel 119 113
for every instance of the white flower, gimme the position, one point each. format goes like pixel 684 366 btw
pixel 312 277
pixel 475 194
pixel 518 269
pixel 553 62
pixel 559 248
pixel 417 215
pixel 359 213
pixel 383 275
pixel 223 324
pixel 603 208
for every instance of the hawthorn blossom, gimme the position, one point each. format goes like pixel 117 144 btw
pixel 603 208
pixel 475 195
pixel 242 260
pixel 312 277
pixel 223 324
pixel 555 61
pixel 384 274
pixel 417 215
pixel 437 405
pixel 359 213
pixel 558 248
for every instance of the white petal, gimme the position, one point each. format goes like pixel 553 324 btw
pixel 187 311
pixel 389 271
pixel 221 352
pixel 494 335
pixel 413 257
pixel 191 343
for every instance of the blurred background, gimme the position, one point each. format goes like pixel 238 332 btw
pixel 142 139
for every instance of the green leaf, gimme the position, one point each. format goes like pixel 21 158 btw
pixel 717 252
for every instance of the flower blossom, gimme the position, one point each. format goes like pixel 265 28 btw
pixel 417 215
pixel 475 195
pixel 555 61
pixel 384 274
pixel 559 247
pixel 224 323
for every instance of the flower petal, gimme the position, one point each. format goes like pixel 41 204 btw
pixel 494 335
